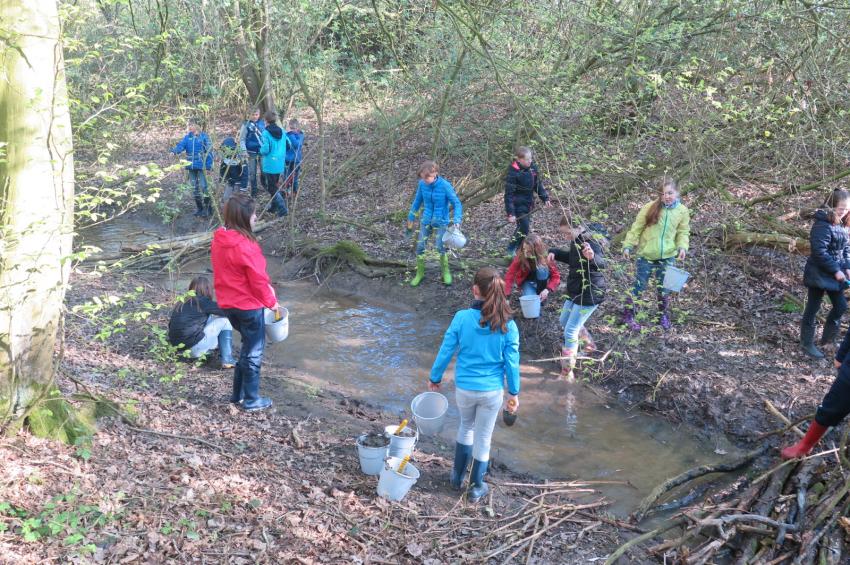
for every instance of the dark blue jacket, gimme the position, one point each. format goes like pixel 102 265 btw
pixel 234 172
pixel 521 183
pixel 293 148
pixel 198 150
pixel 830 253
pixel 251 135
pixel 435 198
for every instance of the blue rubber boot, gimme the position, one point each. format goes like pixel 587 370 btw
pixel 225 348
pixel 478 488
pixel 237 397
pixel 463 453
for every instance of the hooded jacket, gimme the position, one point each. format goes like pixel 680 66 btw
pixel 521 183
pixel 198 149
pixel 585 283
pixel 273 149
pixel 664 238
pixel 830 253
pixel 188 319
pixel 517 274
pixel 435 198
pixel 251 136
pixel 239 272
pixel 295 141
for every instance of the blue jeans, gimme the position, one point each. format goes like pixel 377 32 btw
pixel 425 232
pixel 253 163
pixel 573 317
pixel 291 174
pixel 646 268
pixel 533 283
pixel 198 180
pixel 246 376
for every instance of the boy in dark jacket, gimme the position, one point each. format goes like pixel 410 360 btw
pixel 198 148
pixel 295 138
pixel 250 140
pixel 521 184
pixel 199 325
pixel 233 171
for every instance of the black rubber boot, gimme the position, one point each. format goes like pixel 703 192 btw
pixel 463 453
pixel 830 331
pixel 478 488
pixel 199 205
pixel 807 341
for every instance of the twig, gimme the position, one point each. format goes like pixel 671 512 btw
pixel 642 538
pixel 185 438
pixel 773 410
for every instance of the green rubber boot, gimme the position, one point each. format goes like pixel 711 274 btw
pixel 444 265
pixel 420 271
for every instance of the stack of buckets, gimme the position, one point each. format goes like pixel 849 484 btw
pixel 429 412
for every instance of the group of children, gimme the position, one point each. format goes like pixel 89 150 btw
pixel 262 147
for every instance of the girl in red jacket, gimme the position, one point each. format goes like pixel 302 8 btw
pixel 243 289
pixel 531 269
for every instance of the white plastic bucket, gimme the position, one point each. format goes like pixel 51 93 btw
pixel 401 445
pixel 675 278
pixel 394 485
pixel 277 330
pixel 530 305
pixel 429 411
pixel 371 458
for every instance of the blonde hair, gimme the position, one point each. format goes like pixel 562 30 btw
pixel 523 152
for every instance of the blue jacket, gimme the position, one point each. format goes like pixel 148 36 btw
pixel 273 149
pixel 198 150
pixel 436 197
pixel 250 135
pixel 485 359
pixel 293 147
pixel 830 253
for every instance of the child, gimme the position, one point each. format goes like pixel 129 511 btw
pixel 244 289
pixel 585 286
pixel 250 140
pixel 435 194
pixel 295 138
pixel 200 325
pixel 273 150
pixel 827 269
pixel 196 144
pixel 532 270
pixel 486 341
pixel 232 171
pixel 521 183
pixel 661 233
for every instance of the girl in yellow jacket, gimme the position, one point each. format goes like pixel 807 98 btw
pixel 660 233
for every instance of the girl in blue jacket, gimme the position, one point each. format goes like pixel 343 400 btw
pixel 273 150
pixel 294 145
pixel 486 341
pixel 198 148
pixel 434 194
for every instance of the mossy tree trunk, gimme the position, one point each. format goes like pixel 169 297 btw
pixel 36 207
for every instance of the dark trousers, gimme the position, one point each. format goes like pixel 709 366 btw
pixel 291 174
pixel 815 297
pixel 246 376
pixel 523 226
pixel 836 404
pixel 270 181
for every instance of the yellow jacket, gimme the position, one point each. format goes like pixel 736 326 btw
pixel 665 237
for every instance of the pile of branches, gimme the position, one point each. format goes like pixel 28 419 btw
pixel 792 513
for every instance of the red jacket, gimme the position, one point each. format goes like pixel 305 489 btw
pixel 516 274
pixel 239 272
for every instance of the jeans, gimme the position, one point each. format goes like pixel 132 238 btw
pixel 536 284
pixel 523 226
pixel 573 318
pixel 425 233
pixel 291 174
pixel 253 164
pixel 645 269
pixel 214 326
pixel 478 413
pixel 198 180
pixel 278 204
pixel 246 376
pixel 813 301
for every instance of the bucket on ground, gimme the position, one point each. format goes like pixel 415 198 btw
pixel 675 278
pixel 403 444
pixel 429 410
pixel 277 330
pixel 394 485
pixel 530 305
pixel 372 458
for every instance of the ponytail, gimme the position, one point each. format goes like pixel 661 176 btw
pixel 496 312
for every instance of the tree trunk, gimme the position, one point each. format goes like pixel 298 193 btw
pixel 36 205
pixel 253 60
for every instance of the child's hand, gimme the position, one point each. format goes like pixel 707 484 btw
pixel 547 204
pixel 512 219
pixel 433 387
pixel 550 257
pixel 513 403
pixel 544 294
pixel 836 363
pixel 839 276
pixel 682 254
pixel 627 253
pixel 587 251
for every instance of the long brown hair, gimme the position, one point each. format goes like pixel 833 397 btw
pixel 655 210
pixel 496 312
pixel 202 286
pixel 538 249
pixel 237 215
pixel 832 201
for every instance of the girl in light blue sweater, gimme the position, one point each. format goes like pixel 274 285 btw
pixel 486 341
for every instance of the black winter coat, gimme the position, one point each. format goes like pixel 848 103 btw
pixel 586 284
pixel 188 319
pixel 830 253
pixel 521 184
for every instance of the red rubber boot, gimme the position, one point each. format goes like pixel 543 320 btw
pixel 805 445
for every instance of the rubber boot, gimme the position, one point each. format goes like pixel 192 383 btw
pixel 568 364
pixel 629 315
pixel 251 389
pixel 444 266
pixel 663 307
pixel 805 445
pixel 463 453
pixel 589 344
pixel 807 341
pixel 420 271
pixel 830 330
pixel 225 348
pixel 237 397
pixel 207 207
pixel 478 488
pixel 199 205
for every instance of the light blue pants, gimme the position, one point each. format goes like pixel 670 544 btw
pixel 573 317
pixel 214 326
pixel 425 231
pixel 529 286
pixel 478 413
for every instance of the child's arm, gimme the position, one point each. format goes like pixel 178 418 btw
pixel 180 147
pixel 417 204
pixel 447 350
pixel 510 186
pixel 683 232
pixel 560 255
pixel 457 207
pixel 511 356
pixel 819 238
pixel 541 190
pixel 633 237
pixel 243 137
pixel 598 262
pixel 510 276
pixel 265 146
pixel 554 277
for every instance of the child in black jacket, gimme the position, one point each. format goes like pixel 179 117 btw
pixel 233 171
pixel 521 184
pixel 199 325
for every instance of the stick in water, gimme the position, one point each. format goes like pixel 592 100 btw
pixel 400 427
